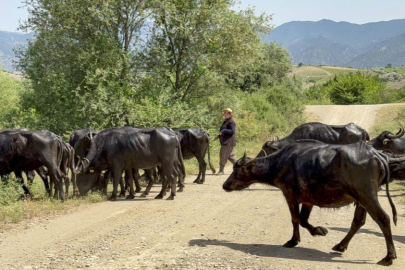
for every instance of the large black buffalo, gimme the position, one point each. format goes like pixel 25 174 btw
pixel 388 142
pixel 127 148
pixel 330 176
pixel 29 150
pixel 332 134
pixel 195 142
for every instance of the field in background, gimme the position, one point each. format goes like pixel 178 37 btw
pixel 394 77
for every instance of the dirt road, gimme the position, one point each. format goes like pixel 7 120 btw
pixel 362 115
pixel 203 228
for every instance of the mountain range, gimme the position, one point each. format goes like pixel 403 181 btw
pixel 323 42
pixel 8 40
pixel 343 44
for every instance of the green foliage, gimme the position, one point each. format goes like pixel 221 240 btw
pixel 388 65
pixel 353 88
pixel 11 91
pixel 271 110
pixel 268 67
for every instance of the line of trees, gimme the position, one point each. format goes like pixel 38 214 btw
pixel 102 63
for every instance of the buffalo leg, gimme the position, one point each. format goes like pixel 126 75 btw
pixel 359 220
pixel 135 173
pixel 304 216
pixel 106 180
pixel 56 178
pixel 162 192
pixel 295 219
pixel 122 185
pixel 130 180
pixel 40 171
pixel 117 175
pixel 27 193
pixel 150 184
pixel 375 210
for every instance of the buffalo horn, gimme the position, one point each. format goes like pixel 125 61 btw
pixel 400 159
pixel 398 135
pixel 242 161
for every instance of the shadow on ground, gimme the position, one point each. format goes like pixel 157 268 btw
pixel 398 238
pixel 298 253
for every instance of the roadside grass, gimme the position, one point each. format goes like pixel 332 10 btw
pixel 388 118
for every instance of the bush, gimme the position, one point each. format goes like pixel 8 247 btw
pixel 353 88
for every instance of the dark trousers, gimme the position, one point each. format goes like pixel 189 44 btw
pixel 225 154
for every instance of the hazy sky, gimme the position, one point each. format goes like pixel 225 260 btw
pixel 354 11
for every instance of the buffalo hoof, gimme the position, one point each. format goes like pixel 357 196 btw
pixel 159 197
pixel 112 198
pixel 197 181
pixel 291 243
pixel 180 189
pixel 339 248
pixel 143 195
pixel 386 261
pixel 28 197
pixel 122 194
pixel 138 189
pixel 170 198
pixel 319 231
pixel 130 197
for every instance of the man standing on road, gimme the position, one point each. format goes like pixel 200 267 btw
pixel 227 139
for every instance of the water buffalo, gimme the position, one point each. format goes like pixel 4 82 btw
pixel 389 142
pixel 127 148
pixel 29 150
pixel 332 134
pixel 195 142
pixel 67 164
pixel 330 176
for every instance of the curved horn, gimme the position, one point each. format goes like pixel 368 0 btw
pixel 396 159
pixel 242 161
pixel 399 134
pixel 91 136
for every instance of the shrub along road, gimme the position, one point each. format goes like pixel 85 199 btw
pixel 203 228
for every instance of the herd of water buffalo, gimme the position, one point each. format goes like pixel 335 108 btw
pixel 317 164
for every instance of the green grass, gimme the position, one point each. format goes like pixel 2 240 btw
pixel 321 74
pixel 399 70
pixel 389 118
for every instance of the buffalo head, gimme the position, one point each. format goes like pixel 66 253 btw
pixel 390 142
pixel 242 176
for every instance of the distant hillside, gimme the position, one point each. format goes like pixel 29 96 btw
pixel 343 44
pixel 8 40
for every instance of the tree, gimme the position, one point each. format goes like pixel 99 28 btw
pixel 355 88
pixel 388 65
pixel 270 65
pixel 196 41
pixel 300 64
pixel 79 62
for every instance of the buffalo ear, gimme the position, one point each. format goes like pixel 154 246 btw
pixel 250 164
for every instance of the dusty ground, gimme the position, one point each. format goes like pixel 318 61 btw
pixel 363 115
pixel 203 228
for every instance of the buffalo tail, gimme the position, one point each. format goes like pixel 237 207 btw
pixel 387 181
